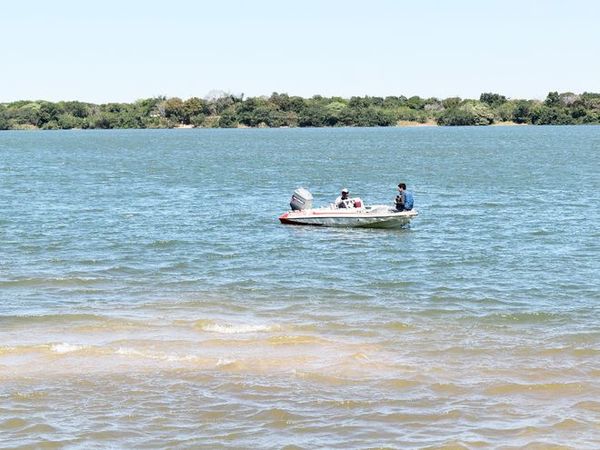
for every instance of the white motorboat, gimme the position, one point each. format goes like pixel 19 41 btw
pixel 356 214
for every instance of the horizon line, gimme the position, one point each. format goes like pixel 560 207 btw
pixel 242 95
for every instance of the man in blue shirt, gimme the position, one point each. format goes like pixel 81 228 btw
pixel 404 199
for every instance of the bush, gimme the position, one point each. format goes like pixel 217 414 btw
pixel 543 115
pixel 457 117
pixel 493 100
pixel 521 112
pixel 68 121
pixel 482 112
pixel 228 119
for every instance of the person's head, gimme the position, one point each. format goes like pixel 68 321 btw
pixel 345 192
pixel 402 187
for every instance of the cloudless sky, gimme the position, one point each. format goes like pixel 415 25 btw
pixel 126 50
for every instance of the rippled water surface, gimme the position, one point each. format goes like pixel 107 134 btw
pixel 149 298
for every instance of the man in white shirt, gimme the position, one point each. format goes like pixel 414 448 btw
pixel 343 201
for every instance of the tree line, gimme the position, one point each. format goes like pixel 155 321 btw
pixel 282 110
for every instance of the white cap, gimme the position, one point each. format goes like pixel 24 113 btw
pixel 345 191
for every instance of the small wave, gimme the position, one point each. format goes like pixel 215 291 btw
pixel 5 350
pixel 13 423
pixel 523 317
pixel 454 445
pixel 493 204
pixel 568 424
pixel 57 348
pixel 8 320
pixel 542 388
pixel 541 232
pixel 320 377
pixel 160 356
pixel 67 348
pixel 400 384
pixel 177 358
pixel 229 328
pixel 347 404
pixel 33 395
pixel 447 388
pixel 589 405
pixel 234 329
pixel 225 362
pixel 277 417
pixel 295 340
pixel 51 282
pixel 39 429
pixel 128 352
pixel 397 326
pixel 164 243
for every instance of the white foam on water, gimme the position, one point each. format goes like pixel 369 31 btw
pixel 123 351
pixel 225 362
pixel 175 358
pixel 6 349
pixel 128 352
pixel 66 348
pixel 227 328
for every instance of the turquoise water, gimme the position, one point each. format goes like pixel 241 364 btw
pixel 150 298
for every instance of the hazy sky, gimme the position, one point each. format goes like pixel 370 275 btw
pixel 125 50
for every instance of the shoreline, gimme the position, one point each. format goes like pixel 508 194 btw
pixel 400 124
pixel 282 110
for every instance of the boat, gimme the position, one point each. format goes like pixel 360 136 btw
pixel 355 214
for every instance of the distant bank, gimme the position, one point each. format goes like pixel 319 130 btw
pixel 282 110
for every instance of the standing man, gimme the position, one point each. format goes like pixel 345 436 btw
pixel 404 199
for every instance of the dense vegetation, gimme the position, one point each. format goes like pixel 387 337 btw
pixel 281 110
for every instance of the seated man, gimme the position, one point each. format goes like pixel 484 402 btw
pixel 343 201
pixel 404 199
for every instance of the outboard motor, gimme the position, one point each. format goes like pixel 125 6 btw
pixel 301 199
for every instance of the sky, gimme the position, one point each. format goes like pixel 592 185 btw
pixel 121 51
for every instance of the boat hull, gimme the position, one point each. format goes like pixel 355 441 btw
pixel 359 218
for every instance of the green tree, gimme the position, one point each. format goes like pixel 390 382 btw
pixel 76 109
pixel 493 100
pixel 359 102
pixel 313 116
pixel 3 118
pixel 197 120
pixel 451 103
pixel 392 102
pixel 406 113
pixel 457 117
pixel 521 112
pixel 102 120
pixel 505 112
pixel 591 117
pixel 483 114
pixel 374 116
pixel 48 112
pixel 333 112
pixel 193 107
pixel 281 101
pixel 67 121
pixel 219 104
pixel 552 99
pixel 228 119
pixel 27 113
pixel 578 113
pixel 544 115
pixel 174 109
pixel 415 102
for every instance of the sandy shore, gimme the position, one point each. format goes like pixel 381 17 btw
pixel 410 123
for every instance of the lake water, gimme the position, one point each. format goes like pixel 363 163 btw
pixel 149 298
